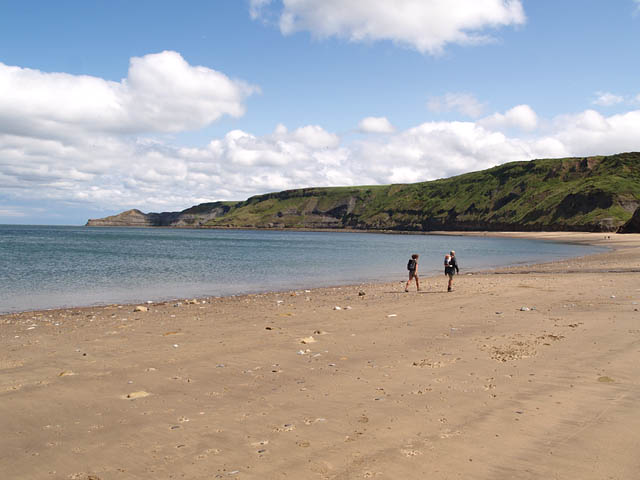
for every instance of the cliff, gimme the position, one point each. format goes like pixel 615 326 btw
pixel 583 194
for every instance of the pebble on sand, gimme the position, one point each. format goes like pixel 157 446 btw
pixel 134 395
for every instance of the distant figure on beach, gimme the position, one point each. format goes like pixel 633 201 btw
pixel 412 266
pixel 450 268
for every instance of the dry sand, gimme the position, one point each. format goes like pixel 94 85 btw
pixel 428 385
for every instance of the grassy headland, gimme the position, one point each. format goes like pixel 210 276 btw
pixel 597 193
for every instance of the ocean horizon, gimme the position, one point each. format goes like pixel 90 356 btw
pixel 47 267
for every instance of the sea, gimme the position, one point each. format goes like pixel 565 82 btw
pixel 45 267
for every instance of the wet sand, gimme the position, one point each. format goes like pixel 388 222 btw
pixel 525 373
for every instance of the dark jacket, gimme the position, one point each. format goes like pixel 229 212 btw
pixel 453 267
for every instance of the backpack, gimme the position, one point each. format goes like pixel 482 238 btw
pixel 411 265
pixel 447 261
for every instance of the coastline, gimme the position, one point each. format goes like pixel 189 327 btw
pixel 567 238
pixel 525 375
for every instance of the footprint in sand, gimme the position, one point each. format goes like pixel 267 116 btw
pixel 407 452
pixel 207 452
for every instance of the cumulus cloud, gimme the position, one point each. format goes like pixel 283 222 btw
pixel 115 173
pixel 69 154
pixel 607 99
pixel 463 103
pixel 520 116
pixel 162 93
pixel 375 125
pixel 425 25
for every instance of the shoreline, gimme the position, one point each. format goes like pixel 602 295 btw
pixel 521 375
pixel 576 238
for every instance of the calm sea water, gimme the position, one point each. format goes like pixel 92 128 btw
pixel 51 266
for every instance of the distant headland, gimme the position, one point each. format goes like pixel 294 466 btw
pixel 596 194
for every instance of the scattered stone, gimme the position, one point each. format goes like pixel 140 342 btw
pixel 134 395
pixel 606 380
pixel 524 309
pixel 307 340
pixel 337 308
pixel 391 315
pixel 361 293
pixel 141 308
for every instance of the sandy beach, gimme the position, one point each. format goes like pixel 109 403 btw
pixel 520 373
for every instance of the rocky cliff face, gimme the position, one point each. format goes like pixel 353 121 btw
pixel 633 225
pixel 195 216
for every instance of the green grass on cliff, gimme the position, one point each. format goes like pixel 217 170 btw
pixel 572 193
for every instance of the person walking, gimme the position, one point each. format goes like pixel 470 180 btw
pixel 450 268
pixel 412 266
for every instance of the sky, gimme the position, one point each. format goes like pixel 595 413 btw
pixel 159 105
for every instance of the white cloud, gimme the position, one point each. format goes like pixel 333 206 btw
pixel 67 154
pixel 520 116
pixel 463 103
pixel 375 125
pixel 117 173
pixel 426 25
pixel 162 93
pixel 607 99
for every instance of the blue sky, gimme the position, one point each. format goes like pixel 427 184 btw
pixel 158 105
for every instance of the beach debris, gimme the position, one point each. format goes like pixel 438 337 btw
pixel 278 302
pixel 605 379
pixel 66 373
pixel 134 395
pixel 140 308
pixel 524 309
pixel 347 308
pixel 362 293
pixel 303 352
pixel 337 308
pixel 307 340
pixel 149 302
pixel 175 345
pixel 220 365
pixel 498 313
pixel 613 296
pixel 391 315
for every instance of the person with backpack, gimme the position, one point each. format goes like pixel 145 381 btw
pixel 450 268
pixel 412 266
